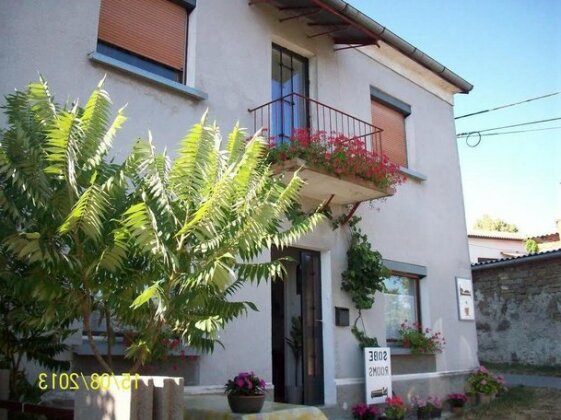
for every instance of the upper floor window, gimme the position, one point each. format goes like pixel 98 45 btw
pixel 149 34
pixel 389 113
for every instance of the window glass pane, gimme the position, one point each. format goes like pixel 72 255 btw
pixel 400 303
pixel 140 62
pixel 289 75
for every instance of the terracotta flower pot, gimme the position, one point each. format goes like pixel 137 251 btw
pixel 246 404
pixel 457 409
pixel 423 414
pixel 485 398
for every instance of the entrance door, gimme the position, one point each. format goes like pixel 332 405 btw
pixel 312 327
pixel 289 91
pixel 297 376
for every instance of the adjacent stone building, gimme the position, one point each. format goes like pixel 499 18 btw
pixel 518 309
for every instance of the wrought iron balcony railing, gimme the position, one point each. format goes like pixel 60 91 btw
pixel 281 117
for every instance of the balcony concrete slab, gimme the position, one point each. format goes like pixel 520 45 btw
pixel 320 185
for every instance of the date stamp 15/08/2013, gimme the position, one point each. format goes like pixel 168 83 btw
pixel 74 381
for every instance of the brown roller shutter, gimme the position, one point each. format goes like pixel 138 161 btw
pixel 393 137
pixel 154 29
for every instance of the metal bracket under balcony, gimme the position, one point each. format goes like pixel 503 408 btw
pixel 342 29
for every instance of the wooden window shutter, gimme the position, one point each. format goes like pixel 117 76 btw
pixel 154 29
pixel 393 136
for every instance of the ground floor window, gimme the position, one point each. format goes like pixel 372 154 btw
pixel 401 303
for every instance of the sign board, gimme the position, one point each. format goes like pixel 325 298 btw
pixel 378 374
pixel 465 299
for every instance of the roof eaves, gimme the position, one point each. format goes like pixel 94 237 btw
pixel 400 44
pixel 496 235
pixel 540 256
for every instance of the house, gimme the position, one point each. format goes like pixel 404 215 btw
pixel 549 241
pixel 318 64
pixel 493 245
pixel 518 309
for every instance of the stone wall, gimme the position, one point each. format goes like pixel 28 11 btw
pixel 518 310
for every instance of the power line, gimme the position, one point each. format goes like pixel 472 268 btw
pixel 517 131
pixel 477 134
pixel 467 133
pixel 509 105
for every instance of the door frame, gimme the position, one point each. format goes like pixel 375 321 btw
pixel 328 330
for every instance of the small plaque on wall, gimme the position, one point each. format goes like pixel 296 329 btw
pixel 466 307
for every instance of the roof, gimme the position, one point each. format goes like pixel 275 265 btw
pixel 539 256
pixel 551 236
pixel 347 25
pixel 491 234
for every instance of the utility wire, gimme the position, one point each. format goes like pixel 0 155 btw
pixel 517 131
pixel 509 105
pixel 477 134
pixel 508 126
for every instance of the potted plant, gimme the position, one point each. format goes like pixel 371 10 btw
pixel 457 402
pixel 485 385
pixel 246 393
pixel 435 404
pixel 295 342
pixel 431 408
pixel 419 340
pixel 395 408
pixel 366 412
pixel 422 408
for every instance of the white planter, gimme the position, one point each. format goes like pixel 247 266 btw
pixel 146 398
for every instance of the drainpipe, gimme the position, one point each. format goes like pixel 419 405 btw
pixel 399 44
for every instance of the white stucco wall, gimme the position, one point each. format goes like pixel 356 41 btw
pixel 493 248
pixel 230 59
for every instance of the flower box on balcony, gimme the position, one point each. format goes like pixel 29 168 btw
pixel 321 185
pixel 335 167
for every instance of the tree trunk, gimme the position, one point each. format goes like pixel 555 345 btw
pixel 109 337
pixel 86 315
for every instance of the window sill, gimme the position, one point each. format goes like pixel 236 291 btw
pixel 403 351
pixel 417 176
pixel 143 74
pixel 400 351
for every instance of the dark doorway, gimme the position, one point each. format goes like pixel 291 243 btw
pixel 297 339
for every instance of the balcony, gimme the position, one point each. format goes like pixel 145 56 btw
pixel 295 120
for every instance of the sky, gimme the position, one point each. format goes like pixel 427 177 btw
pixel 510 50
